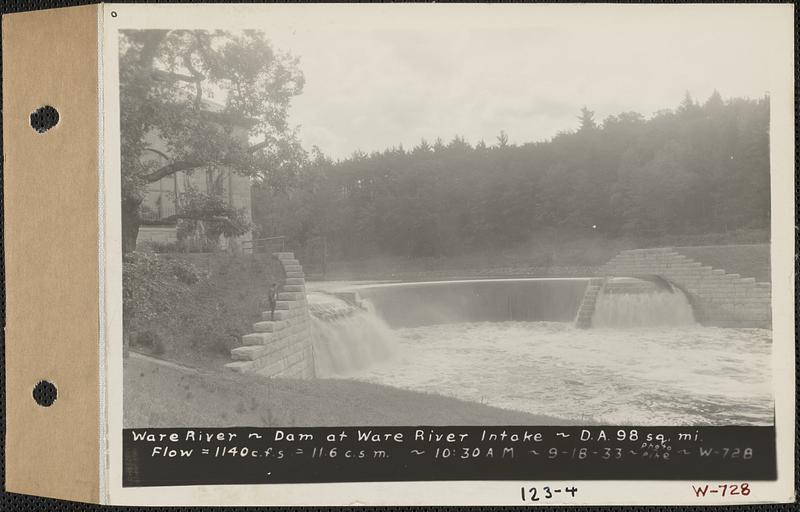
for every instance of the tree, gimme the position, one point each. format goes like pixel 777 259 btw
pixel 688 105
pixel 423 147
pixel 587 119
pixel 714 103
pixel 670 174
pixel 167 78
pixel 502 139
pixel 459 144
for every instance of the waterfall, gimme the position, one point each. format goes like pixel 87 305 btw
pixel 627 303
pixel 347 337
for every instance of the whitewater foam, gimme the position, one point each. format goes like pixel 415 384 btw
pixel 347 337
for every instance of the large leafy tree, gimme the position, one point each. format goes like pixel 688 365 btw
pixel 211 100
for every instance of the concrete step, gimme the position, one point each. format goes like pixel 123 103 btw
pixel 294 288
pixel 270 326
pixel 290 275
pixel 283 255
pixel 256 352
pixel 257 338
pixel 295 281
pixel 248 352
pixel 281 314
pixel 290 304
pixel 289 325
pixel 240 366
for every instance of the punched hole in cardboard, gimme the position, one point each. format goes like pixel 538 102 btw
pixel 45 393
pixel 44 118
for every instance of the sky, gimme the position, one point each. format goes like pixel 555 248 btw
pixel 380 77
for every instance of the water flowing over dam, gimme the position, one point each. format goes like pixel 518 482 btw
pixel 347 337
pixel 629 302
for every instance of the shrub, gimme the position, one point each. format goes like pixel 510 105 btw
pixel 149 287
pixel 197 317
pixel 184 271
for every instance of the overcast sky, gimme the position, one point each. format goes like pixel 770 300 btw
pixel 378 80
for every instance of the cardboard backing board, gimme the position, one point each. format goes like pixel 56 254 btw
pixel 65 288
pixel 51 252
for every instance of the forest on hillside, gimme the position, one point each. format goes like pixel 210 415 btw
pixel 702 167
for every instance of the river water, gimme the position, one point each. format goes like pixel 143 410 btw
pixel 684 376
pixel 621 373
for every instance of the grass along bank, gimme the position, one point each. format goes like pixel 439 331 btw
pixel 194 308
pixel 189 398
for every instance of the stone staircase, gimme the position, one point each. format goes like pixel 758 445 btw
pixel 586 309
pixel 717 297
pixel 281 346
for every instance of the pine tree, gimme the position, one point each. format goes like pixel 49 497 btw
pixel 688 105
pixel 587 119
pixel 502 139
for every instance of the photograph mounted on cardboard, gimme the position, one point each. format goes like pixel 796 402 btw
pixel 515 222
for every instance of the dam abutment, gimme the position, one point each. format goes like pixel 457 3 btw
pixel 718 298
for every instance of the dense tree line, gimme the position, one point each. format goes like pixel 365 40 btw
pixel 698 168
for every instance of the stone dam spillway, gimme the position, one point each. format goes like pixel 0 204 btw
pixel 638 287
pixel 652 323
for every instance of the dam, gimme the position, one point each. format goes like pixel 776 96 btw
pixel 676 344
pixel 515 344
pixel 486 300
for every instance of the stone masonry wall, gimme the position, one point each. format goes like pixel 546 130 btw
pixel 281 347
pixel 718 298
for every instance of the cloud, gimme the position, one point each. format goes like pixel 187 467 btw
pixel 372 85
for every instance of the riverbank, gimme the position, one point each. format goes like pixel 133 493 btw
pixel 196 320
pixel 746 253
pixel 164 395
